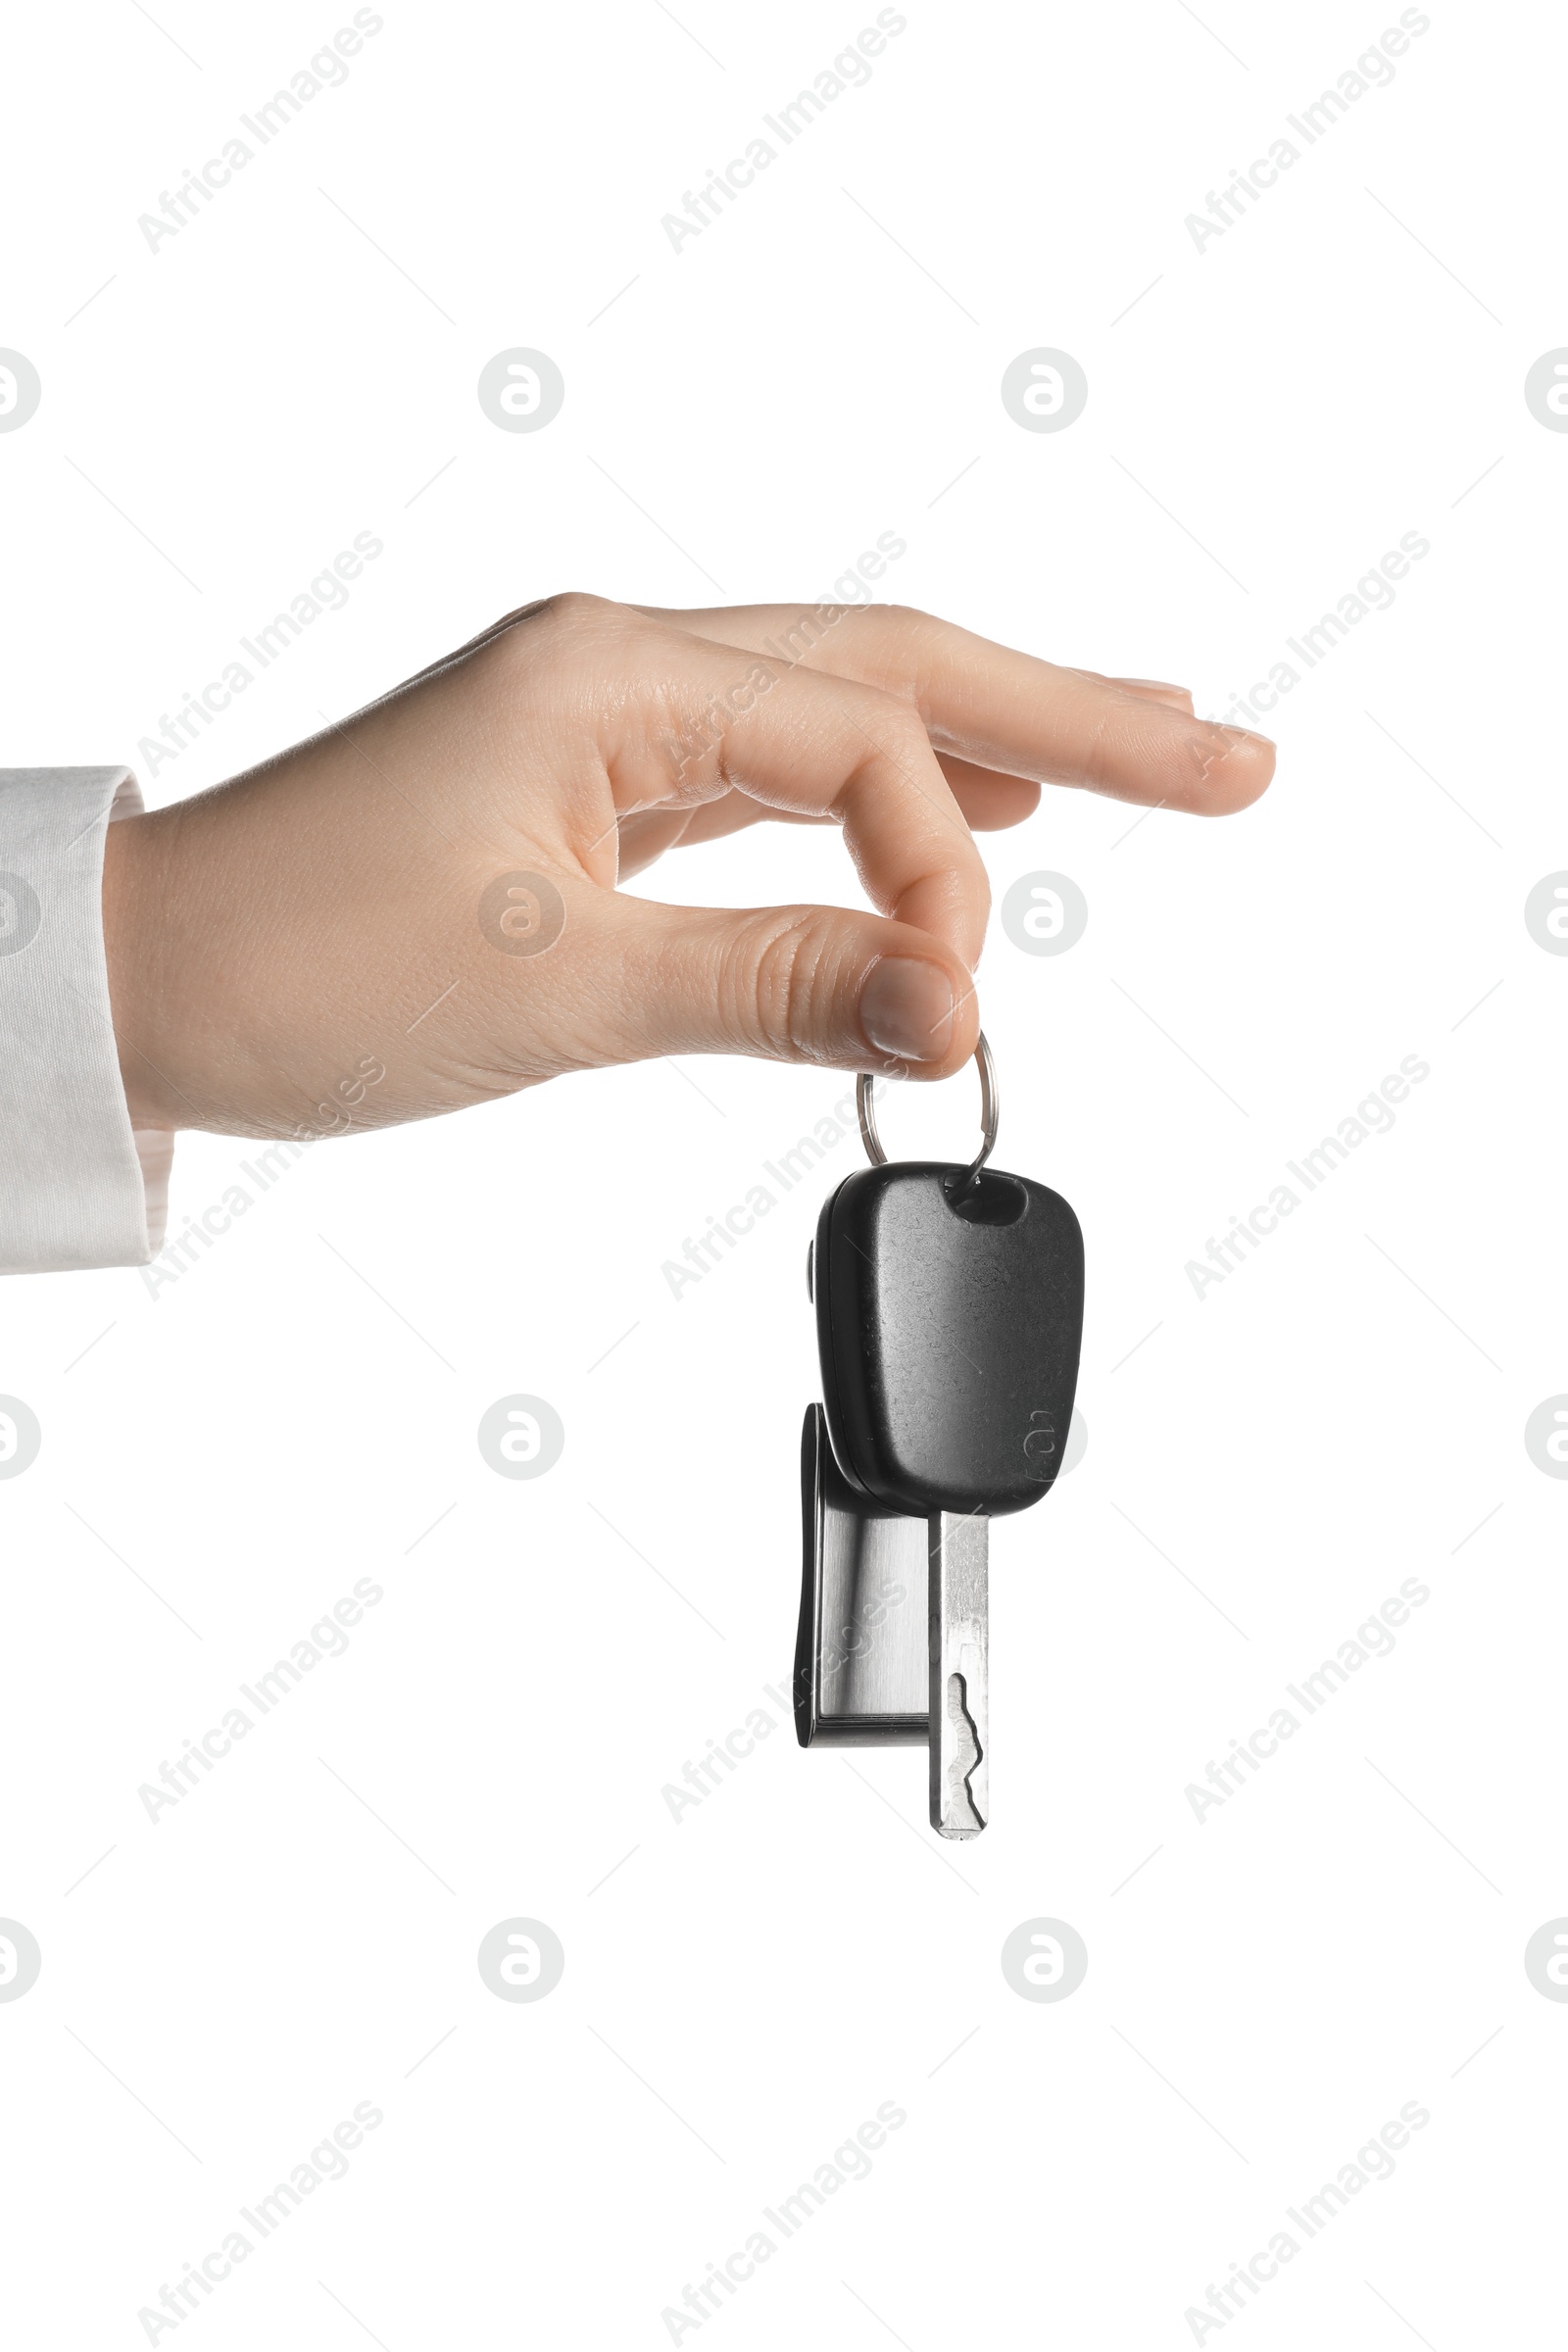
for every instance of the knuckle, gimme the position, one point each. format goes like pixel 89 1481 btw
pixel 908 630
pixel 553 635
pixel 576 608
pixel 773 981
pixel 914 643
pixel 902 730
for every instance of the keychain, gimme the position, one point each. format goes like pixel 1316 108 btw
pixel 948 1316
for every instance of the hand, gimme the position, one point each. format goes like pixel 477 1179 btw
pixel 347 906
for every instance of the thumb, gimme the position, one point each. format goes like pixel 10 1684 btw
pixel 806 984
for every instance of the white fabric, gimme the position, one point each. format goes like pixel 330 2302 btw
pixel 79 1187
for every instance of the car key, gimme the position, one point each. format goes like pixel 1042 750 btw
pixel 949 1308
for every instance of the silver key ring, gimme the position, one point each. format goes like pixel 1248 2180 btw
pixel 989 1110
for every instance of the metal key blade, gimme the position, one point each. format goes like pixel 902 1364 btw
pixel 960 1714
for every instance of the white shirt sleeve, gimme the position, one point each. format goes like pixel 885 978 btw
pixel 79 1185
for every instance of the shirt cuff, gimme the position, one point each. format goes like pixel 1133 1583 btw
pixel 79 1185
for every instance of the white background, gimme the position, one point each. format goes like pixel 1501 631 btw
pixel 1265 1464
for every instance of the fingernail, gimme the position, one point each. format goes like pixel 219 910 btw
pixel 907 1008
pixel 1162 685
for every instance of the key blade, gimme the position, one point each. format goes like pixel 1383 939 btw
pixel 961 1705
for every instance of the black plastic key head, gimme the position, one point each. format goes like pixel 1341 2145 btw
pixel 948 1316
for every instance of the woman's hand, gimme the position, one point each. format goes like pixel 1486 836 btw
pixel 431 886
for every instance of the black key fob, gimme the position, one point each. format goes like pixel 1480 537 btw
pixel 949 1317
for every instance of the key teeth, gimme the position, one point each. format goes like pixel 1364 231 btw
pixel 959 1726
pixel 966 1761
